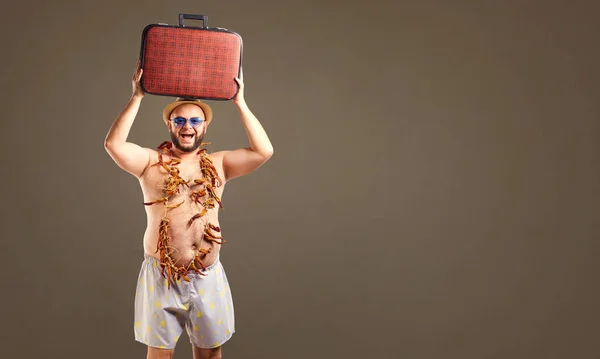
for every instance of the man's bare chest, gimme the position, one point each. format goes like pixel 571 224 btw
pixel 185 184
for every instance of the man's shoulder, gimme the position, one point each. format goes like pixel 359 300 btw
pixel 152 154
pixel 151 151
pixel 218 155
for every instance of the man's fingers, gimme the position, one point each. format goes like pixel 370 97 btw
pixel 137 67
pixel 138 75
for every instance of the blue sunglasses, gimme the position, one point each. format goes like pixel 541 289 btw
pixel 181 121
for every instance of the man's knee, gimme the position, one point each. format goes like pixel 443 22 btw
pixel 158 353
pixel 214 353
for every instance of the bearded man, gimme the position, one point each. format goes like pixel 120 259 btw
pixel 182 283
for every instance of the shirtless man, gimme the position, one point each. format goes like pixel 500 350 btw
pixel 182 283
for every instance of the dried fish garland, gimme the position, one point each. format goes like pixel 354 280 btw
pixel 205 197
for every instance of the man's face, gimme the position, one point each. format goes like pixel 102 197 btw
pixel 187 127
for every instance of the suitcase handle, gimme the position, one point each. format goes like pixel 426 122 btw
pixel 204 19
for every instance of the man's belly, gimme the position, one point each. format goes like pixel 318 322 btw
pixel 185 241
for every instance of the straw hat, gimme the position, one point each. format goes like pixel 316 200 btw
pixel 208 114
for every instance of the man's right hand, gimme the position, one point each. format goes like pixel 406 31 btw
pixel 135 81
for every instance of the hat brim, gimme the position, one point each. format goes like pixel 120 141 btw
pixel 208 113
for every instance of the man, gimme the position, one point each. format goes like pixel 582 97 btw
pixel 182 283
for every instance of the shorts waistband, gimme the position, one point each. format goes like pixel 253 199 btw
pixel 150 259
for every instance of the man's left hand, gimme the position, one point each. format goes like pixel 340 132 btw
pixel 239 97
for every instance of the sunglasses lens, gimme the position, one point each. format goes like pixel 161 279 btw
pixel 179 121
pixel 195 122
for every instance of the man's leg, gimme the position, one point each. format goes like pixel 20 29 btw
pixel 211 318
pixel 157 353
pixel 200 353
pixel 158 311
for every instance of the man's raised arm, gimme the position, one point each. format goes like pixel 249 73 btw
pixel 129 156
pixel 243 161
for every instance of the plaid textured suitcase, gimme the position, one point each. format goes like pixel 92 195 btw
pixel 196 62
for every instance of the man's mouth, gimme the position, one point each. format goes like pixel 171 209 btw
pixel 187 136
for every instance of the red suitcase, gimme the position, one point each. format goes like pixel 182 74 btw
pixel 196 62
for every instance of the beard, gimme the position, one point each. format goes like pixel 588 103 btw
pixel 187 148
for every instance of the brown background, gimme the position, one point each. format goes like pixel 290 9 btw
pixel 433 194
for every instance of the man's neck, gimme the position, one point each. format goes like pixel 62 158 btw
pixel 184 156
